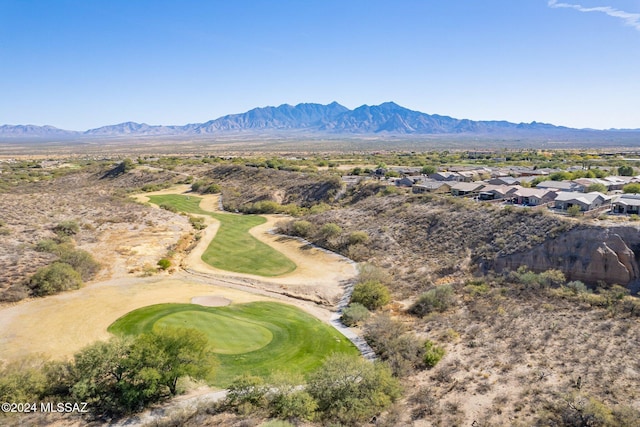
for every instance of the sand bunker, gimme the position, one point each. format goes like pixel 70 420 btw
pixel 211 301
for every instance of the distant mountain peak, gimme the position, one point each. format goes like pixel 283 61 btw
pixel 334 118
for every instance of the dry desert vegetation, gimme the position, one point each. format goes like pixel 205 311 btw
pixel 518 348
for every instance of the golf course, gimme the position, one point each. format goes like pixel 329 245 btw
pixel 233 248
pixel 259 338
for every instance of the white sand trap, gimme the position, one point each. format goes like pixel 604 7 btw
pixel 211 301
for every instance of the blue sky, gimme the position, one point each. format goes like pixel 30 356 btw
pixel 79 64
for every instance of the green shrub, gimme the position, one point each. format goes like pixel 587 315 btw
pixel 164 263
pixel 197 222
pixel 319 208
pixel 196 185
pixel 292 404
pixel 401 349
pixel 151 187
pixel 247 389
pixel 168 207
pixel 125 375
pixel 596 187
pixel 633 188
pixel 212 189
pixel 358 237
pixel 354 314
pixel 67 228
pixel 577 287
pixel 371 294
pixel 350 390
pixel 625 170
pixel 440 299
pixel 22 381
pixel 302 228
pixel 574 210
pixel 54 278
pixel 277 423
pixel 127 165
pixel 552 278
pixel 81 261
pixel 330 230
pixel 367 271
pixel 265 207
pixel 46 245
pixel 433 354
pixel 390 189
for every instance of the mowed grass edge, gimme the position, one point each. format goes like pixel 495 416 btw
pixel 233 248
pixel 299 343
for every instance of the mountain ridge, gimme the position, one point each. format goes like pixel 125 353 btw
pixel 387 118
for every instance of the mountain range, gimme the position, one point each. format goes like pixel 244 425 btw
pixel 388 118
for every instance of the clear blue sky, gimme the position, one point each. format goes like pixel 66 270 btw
pixel 79 64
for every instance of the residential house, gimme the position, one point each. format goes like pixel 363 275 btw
pixel 469 176
pixel 586 182
pixel 504 180
pixel 562 186
pixel 431 186
pixel 405 182
pixel 408 170
pixel 496 192
pixel 467 188
pixel 532 196
pixel 616 182
pixel 627 204
pixel 524 171
pixel 446 176
pixel 586 201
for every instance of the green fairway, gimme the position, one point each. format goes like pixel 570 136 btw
pixel 258 338
pixel 233 248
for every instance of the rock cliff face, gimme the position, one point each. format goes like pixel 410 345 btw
pixel 590 255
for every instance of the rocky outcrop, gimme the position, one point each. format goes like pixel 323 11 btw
pixel 588 254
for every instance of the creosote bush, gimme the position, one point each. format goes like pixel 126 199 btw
pixel 67 228
pixel 164 263
pixel 433 354
pixel 197 222
pixel 358 237
pixel 302 228
pixel 81 261
pixel 574 210
pixel 168 207
pixel 371 294
pixel 54 278
pixel 400 348
pixel 354 314
pixel 330 230
pixel 440 299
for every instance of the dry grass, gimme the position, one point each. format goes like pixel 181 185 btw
pixel 519 356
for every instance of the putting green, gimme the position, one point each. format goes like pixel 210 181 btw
pixel 233 248
pixel 258 338
pixel 226 335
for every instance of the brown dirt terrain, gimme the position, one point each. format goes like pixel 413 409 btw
pixel 117 232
